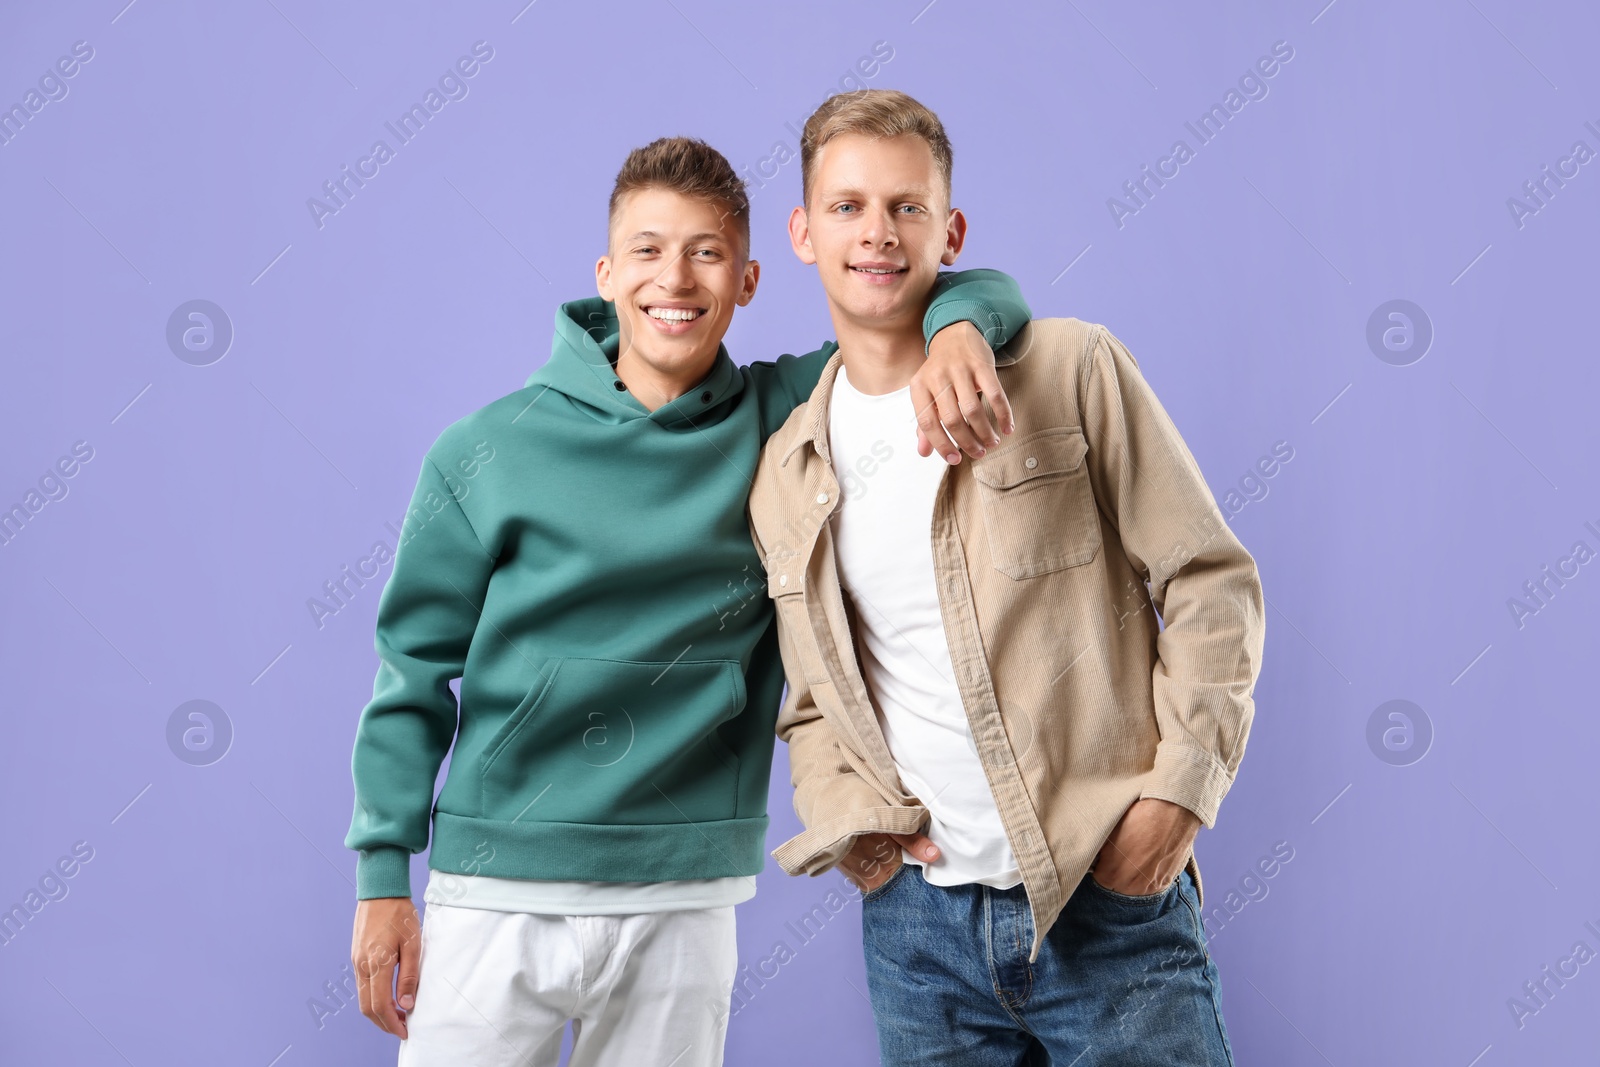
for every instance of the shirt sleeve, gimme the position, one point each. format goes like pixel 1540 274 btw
pixel 989 299
pixel 1202 581
pixel 835 804
pixel 427 615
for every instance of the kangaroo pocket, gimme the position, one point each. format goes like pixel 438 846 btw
pixel 619 742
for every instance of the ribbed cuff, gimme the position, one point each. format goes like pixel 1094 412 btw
pixel 383 872
pixel 950 312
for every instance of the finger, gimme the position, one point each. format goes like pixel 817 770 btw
pixel 953 417
pixel 410 970
pixel 924 446
pixel 921 400
pixel 367 971
pixel 918 845
pixel 356 966
pixel 929 426
pixel 383 989
pixel 995 394
pixel 974 419
pixel 363 996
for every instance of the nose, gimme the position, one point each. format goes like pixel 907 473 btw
pixel 879 231
pixel 675 276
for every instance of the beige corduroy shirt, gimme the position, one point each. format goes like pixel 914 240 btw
pixel 1054 554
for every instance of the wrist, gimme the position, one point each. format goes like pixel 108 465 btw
pixel 942 316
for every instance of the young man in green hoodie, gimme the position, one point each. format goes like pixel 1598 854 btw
pixel 577 554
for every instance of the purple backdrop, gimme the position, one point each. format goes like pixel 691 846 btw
pixel 190 494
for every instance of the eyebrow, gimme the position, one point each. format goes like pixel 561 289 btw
pixel 918 192
pixel 653 235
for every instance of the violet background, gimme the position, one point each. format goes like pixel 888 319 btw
pixel 1419 500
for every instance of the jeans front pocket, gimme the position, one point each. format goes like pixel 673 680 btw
pixel 879 890
pixel 1127 907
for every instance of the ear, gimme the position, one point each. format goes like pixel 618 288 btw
pixel 747 285
pixel 602 277
pixel 955 235
pixel 800 235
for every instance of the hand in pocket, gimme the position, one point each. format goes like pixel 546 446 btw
pixel 874 858
pixel 1148 847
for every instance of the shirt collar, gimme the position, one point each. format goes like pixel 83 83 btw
pixel 814 429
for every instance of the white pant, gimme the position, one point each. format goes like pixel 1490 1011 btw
pixel 498 987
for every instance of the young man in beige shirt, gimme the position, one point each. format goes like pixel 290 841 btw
pixel 973 651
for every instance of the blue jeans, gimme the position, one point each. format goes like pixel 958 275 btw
pixel 1121 981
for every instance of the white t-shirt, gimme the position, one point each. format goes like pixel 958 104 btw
pixel 882 533
pixel 584 898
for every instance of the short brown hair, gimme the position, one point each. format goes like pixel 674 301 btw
pixel 876 113
pixel 689 166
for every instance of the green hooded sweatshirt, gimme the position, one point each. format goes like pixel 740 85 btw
pixel 584 566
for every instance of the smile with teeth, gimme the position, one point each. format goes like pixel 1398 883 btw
pixel 674 314
pixel 878 270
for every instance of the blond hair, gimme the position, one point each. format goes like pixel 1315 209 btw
pixel 875 113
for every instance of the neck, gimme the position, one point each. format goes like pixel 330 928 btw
pixel 879 357
pixel 653 386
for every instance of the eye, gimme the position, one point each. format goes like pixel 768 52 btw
pixel 846 209
pixel 911 209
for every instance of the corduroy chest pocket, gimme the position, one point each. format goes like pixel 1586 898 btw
pixel 1038 504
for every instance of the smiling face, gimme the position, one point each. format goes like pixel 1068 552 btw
pixel 675 268
pixel 878 225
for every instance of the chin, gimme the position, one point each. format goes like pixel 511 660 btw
pixel 866 309
pixel 677 358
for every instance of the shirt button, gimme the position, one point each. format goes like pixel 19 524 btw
pixel 620 387
pixel 705 397
pixel 783 579
pixel 822 498
pixel 1030 462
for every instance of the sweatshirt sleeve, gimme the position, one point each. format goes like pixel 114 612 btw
pixel 1203 582
pixel 989 299
pixel 426 618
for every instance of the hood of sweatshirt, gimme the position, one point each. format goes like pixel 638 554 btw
pixel 582 367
